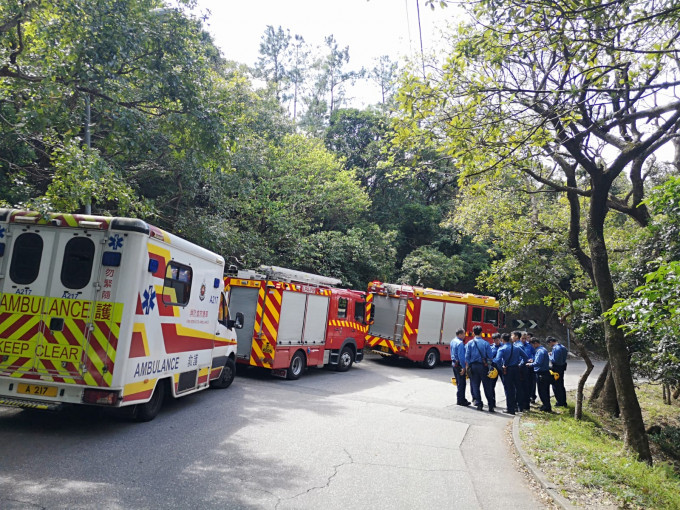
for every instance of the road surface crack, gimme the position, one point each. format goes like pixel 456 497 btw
pixel 336 468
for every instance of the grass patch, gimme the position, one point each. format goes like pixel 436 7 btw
pixel 586 459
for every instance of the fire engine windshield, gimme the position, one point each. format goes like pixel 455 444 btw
pixel 491 316
pixel 360 312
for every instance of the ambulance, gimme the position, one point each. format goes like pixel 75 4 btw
pixel 418 323
pixel 294 320
pixel 108 312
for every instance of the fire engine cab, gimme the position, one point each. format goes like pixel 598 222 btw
pixel 108 311
pixel 418 323
pixel 295 319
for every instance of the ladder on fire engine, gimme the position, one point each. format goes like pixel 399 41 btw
pixel 291 275
pixel 401 320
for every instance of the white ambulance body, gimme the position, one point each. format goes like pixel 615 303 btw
pixel 108 311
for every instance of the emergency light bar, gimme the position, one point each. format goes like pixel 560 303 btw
pixel 26 219
pixel 281 273
pixel 89 224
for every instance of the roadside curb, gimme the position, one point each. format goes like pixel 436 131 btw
pixel 549 487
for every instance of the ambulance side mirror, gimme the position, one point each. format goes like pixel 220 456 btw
pixel 237 322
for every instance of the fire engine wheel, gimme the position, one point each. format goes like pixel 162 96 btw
pixel 149 410
pixel 226 377
pixel 297 365
pixel 431 359
pixel 346 359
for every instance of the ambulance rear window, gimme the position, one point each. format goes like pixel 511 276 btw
pixel 26 258
pixel 77 267
pixel 177 284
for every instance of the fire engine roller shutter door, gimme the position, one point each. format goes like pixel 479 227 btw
pixel 430 323
pixel 385 314
pixel 316 320
pixel 454 319
pixel 292 318
pixel 244 300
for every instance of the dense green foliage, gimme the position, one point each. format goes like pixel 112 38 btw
pixel 181 137
pixel 651 314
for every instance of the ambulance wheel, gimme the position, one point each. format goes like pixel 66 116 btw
pixel 149 410
pixel 227 376
pixel 431 359
pixel 346 359
pixel 297 365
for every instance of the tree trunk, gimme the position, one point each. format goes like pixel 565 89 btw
pixel 635 436
pixel 599 384
pixel 583 352
pixel 667 394
pixel 607 400
pixel 676 393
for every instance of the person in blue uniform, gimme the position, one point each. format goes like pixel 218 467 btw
pixel 477 362
pixel 541 366
pixel 558 360
pixel 509 358
pixel 529 381
pixel 458 364
pixel 532 395
pixel 525 372
pixel 496 337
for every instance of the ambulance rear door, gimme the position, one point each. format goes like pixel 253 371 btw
pixel 26 267
pixel 72 290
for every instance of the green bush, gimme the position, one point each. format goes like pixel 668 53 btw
pixel 668 440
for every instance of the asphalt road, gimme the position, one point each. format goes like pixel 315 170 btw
pixel 381 436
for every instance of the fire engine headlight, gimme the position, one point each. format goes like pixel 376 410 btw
pixel 100 397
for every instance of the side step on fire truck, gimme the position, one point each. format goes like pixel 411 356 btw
pixel 418 323
pixel 108 311
pixel 295 319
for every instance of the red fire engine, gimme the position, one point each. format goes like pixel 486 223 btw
pixel 295 319
pixel 418 324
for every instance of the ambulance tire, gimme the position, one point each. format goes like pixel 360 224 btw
pixel 345 359
pixel 227 376
pixel 296 367
pixel 431 359
pixel 149 410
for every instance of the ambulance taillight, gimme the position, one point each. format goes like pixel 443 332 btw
pixel 100 397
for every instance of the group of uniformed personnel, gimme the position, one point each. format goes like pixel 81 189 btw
pixel 520 361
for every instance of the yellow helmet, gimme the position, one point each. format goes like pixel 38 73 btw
pixel 555 375
pixel 454 382
pixel 493 373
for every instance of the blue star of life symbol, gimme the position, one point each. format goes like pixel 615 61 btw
pixel 2 232
pixel 115 242
pixel 148 303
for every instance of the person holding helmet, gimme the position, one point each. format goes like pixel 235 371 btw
pixel 509 359
pixel 541 366
pixel 477 362
pixel 558 359
pixel 458 364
